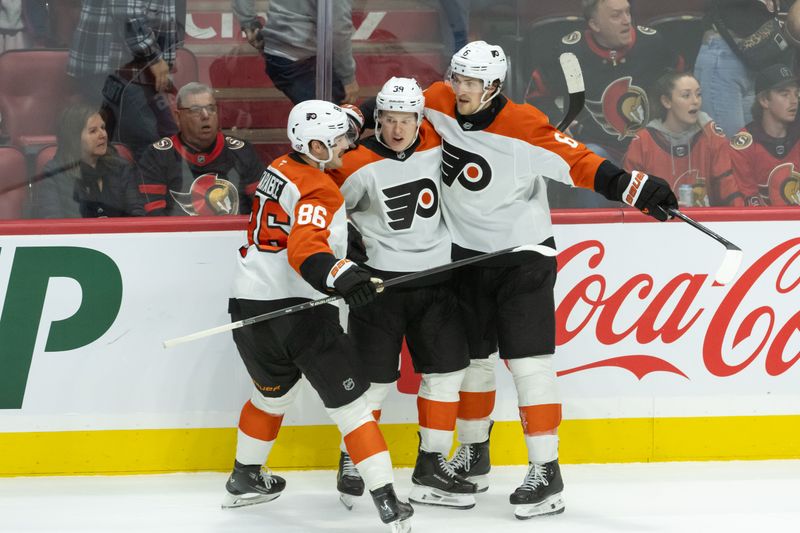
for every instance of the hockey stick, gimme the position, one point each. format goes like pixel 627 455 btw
pixel 733 254
pixel 544 250
pixel 577 95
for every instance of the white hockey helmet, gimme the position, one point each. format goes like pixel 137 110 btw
pixel 402 95
pixel 316 120
pixel 483 61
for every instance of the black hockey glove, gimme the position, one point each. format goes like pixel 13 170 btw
pixel 356 250
pixel 353 283
pixel 649 194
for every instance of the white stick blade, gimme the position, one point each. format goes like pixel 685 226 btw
pixel 544 250
pixel 729 267
pixel 170 343
pixel 572 72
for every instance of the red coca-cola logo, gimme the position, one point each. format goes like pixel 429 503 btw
pixel 671 311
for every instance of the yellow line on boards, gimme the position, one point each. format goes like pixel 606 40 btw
pixel 316 447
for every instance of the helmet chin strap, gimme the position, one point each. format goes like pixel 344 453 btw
pixel 320 163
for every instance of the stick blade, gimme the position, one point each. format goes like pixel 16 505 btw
pixel 729 267
pixel 572 72
pixel 540 248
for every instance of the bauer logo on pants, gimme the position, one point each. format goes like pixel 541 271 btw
pixel 408 199
pixel 471 170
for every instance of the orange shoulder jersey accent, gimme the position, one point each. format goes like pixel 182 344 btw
pixel 440 97
pixel 353 161
pixel 526 123
pixel 428 138
pixel 313 212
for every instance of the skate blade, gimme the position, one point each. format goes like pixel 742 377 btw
pixel 348 500
pixel 429 496
pixel 232 501
pixel 481 481
pixel 400 526
pixel 549 506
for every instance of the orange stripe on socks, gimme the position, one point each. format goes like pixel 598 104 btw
pixel 364 442
pixel 437 415
pixel 540 419
pixel 475 405
pixel 257 424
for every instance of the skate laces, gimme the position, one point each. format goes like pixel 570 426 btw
pixel 462 458
pixel 266 477
pixel 349 468
pixel 537 475
pixel 446 467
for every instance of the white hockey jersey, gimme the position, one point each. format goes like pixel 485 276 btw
pixel 493 192
pixel 394 201
pixel 298 211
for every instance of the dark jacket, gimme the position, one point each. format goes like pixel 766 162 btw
pixel 59 194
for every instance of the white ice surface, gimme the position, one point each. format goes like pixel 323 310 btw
pixel 759 497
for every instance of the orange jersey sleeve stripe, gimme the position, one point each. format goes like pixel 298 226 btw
pixel 364 442
pixel 475 405
pixel 437 415
pixel 540 419
pixel 257 424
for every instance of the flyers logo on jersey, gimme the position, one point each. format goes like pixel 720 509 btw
pixel 782 187
pixel 415 198
pixel 623 109
pixel 209 195
pixel 471 170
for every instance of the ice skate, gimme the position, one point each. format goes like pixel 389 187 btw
pixel 251 484
pixel 394 513
pixel 436 483
pixel 472 462
pixel 348 481
pixel 540 493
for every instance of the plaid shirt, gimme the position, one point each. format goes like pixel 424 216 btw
pixel 112 33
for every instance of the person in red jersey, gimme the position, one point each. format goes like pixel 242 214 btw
pixel 684 146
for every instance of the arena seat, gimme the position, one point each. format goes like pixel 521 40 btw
pixel 34 88
pixel 13 183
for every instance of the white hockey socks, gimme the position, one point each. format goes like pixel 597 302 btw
pixel 437 406
pixel 539 407
pixel 477 400
pixel 259 423
pixel 364 442
pixel 376 394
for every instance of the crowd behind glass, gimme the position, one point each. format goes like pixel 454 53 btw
pixel 705 98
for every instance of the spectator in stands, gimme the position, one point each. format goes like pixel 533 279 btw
pixel 619 62
pixel 766 153
pixel 684 146
pixel 199 171
pixel 121 55
pixel 86 178
pixel 289 44
pixel 743 36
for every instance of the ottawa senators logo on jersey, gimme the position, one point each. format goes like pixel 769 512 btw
pixel 782 187
pixel 623 109
pixel 741 140
pixel 471 170
pixel 209 195
pixel 404 201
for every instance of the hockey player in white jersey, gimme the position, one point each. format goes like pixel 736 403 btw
pixel 391 186
pixel 496 154
pixel 296 242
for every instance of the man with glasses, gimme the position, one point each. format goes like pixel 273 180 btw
pixel 199 171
